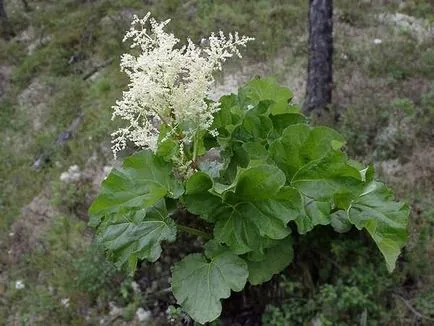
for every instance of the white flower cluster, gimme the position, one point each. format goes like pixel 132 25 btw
pixel 169 84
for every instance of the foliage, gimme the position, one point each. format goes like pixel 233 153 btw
pixel 350 287
pixel 64 276
pixel 274 170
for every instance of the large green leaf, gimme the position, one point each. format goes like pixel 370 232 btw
pixel 314 213
pixel 260 207
pixel 243 227
pixel 301 144
pixel 259 183
pixel 255 126
pixel 385 220
pixel 230 113
pixel 274 260
pixel 198 199
pixel 256 206
pixel 282 121
pixel 315 166
pixel 328 177
pixel 340 222
pixel 199 283
pixel 258 90
pixel 134 236
pixel 143 181
pixel 244 122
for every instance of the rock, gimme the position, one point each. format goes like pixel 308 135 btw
pixel 417 172
pixel 295 76
pixel 420 28
pixel 27 35
pixel 36 217
pixel 37 44
pixel 114 310
pixel 5 80
pixel 72 175
pixel 35 220
pixel 135 286
pixel 123 18
pixel 143 315
pixel 33 100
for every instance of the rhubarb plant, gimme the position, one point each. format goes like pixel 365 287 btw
pixel 250 166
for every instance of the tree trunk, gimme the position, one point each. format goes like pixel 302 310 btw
pixel 5 26
pixel 319 72
pixel 25 5
pixel 3 15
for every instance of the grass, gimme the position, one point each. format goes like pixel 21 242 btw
pixel 377 87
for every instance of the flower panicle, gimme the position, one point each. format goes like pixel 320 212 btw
pixel 169 84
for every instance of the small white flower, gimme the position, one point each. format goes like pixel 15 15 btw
pixel 19 285
pixel 378 41
pixel 65 302
pixel 11 234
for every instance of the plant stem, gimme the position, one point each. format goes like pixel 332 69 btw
pixel 194 231
pixel 195 146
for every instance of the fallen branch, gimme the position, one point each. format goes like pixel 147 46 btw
pixel 411 308
pixel 62 138
pixel 97 68
pixel 68 133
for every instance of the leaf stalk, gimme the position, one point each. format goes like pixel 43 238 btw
pixel 194 231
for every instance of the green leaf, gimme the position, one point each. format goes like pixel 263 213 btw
pixel 328 177
pixel 255 151
pixel 198 200
pixel 168 149
pixel 300 145
pixel 260 256
pixel 254 207
pixel 199 284
pixel 243 224
pixel 384 219
pixel 282 121
pixel 339 221
pixel 142 182
pixel 260 182
pixel 274 261
pixel 368 174
pixel 315 213
pixel 255 125
pixel 197 183
pixel 167 146
pixel 258 90
pixel 134 236
pixel 314 165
